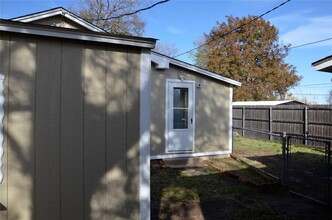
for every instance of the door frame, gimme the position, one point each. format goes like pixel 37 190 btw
pixel 193 84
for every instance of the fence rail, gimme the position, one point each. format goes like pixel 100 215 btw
pixel 305 121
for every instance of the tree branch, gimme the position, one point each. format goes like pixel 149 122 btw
pixel 134 12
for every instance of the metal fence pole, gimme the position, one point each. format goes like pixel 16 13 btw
pixel 270 123
pixel 305 126
pixel 284 167
pixel 243 120
pixel 329 173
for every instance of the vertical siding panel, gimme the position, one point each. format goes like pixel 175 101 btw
pixel 4 70
pixel 94 132
pixel 21 112
pixel 133 134
pixel 116 176
pixel 72 132
pixel 47 143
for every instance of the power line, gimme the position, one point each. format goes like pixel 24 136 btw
pixel 310 94
pixel 134 12
pixel 310 43
pixel 229 32
pixel 312 88
pixel 319 84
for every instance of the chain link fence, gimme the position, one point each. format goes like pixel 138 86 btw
pixel 303 169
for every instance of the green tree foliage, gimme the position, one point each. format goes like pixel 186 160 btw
pixel 248 50
pixel 109 15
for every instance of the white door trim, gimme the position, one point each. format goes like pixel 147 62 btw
pixel 144 129
pixel 168 81
pixel 2 114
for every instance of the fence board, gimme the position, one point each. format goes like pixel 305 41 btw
pixel 308 121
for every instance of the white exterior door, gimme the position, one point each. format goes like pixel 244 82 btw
pixel 180 121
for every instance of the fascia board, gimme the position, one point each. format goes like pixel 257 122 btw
pixel 76 36
pixel 324 65
pixel 164 61
pixel 67 14
pixel 39 16
pixel 84 23
pixel 205 72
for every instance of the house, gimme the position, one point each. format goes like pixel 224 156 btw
pixel 84 109
pixel 267 103
pixel 324 65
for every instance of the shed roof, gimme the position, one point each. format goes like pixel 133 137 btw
pixel 163 61
pixel 324 64
pixel 66 33
pixel 265 103
pixel 58 11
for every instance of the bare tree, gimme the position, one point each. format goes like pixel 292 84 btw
pixel 114 16
pixel 168 49
pixel 329 98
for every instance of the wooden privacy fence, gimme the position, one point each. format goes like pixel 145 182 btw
pixel 313 121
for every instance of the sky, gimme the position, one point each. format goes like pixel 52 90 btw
pixel 183 22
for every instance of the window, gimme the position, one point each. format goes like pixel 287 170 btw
pixel 180 108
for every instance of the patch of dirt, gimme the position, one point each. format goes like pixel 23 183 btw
pixel 244 171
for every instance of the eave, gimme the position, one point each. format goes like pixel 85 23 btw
pixel 324 65
pixel 162 62
pixel 58 11
pixel 65 33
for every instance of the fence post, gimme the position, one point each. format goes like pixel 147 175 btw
pixel 305 125
pixel 284 165
pixel 243 119
pixel 270 123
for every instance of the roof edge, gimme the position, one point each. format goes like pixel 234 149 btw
pixel 266 103
pixel 51 31
pixel 58 11
pixel 323 65
pixel 163 61
pixel 321 60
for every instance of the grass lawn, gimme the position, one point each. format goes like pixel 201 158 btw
pixel 253 147
pixel 204 193
pixel 269 153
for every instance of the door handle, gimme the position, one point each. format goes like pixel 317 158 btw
pixel 191 120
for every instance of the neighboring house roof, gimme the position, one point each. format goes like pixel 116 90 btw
pixel 162 62
pixel 324 64
pixel 271 103
pixel 30 18
pixel 66 33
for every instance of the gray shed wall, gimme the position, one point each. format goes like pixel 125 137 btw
pixel 212 109
pixel 71 129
